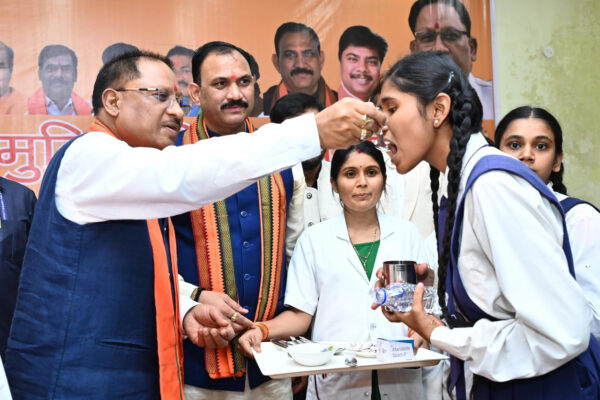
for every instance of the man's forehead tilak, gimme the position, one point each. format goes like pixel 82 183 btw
pixel 443 11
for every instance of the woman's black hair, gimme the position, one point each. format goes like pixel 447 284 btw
pixel 340 157
pixel 425 75
pixel 525 112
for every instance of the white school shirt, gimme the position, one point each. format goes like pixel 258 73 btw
pixel 327 281
pixel 513 267
pixel 583 225
pixel 102 178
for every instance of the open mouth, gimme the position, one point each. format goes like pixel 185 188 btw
pixel 392 148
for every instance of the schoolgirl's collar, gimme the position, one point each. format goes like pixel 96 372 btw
pixel 476 142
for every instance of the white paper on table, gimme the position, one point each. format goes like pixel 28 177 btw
pixel 4 389
pixel 274 362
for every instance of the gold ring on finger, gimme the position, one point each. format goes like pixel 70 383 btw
pixel 234 316
pixel 365 121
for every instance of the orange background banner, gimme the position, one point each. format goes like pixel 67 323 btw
pixel 88 27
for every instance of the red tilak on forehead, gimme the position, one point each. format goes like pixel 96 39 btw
pixel 358 151
pixel 233 77
pixel 437 25
pixel 175 88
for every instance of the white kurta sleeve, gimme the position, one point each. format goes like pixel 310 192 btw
pixel 101 178
pixel 295 216
pixel 185 300
pixel 514 268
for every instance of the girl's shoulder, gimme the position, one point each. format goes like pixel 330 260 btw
pixel 581 210
pixel 497 180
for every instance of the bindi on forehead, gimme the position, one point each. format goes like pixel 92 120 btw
pixel 175 88
pixel 233 77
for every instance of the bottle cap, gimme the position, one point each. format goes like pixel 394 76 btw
pixel 380 296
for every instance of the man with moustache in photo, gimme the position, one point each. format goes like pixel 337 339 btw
pixel 252 231
pixel 319 204
pixel 11 101
pixel 361 53
pixel 299 60
pixel 445 25
pixel 181 57
pixel 58 74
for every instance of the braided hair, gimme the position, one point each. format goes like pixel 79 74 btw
pixel 425 75
pixel 525 112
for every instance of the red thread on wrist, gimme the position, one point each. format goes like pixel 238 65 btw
pixel 410 332
pixel 264 329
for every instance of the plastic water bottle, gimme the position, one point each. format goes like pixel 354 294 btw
pixel 399 297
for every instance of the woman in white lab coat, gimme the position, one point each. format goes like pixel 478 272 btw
pixel 513 308
pixel 330 276
pixel 533 136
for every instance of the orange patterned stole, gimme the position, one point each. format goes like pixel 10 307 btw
pixel 216 270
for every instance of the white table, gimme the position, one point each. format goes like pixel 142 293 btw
pixel 274 362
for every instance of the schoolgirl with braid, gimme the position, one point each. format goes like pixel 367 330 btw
pixel 510 304
pixel 533 136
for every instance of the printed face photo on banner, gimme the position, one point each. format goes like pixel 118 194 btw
pixel 446 26
pixel 5 71
pixel 58 75
pixel 359 70
pixel 299 62
pixel 182 65
pixel 181 57
pixel 439 27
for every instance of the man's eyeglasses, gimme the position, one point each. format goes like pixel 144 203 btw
pixel 448 35
pixel 163 96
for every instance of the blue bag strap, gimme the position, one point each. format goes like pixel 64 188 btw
pixel 571 202
pixel 511 165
